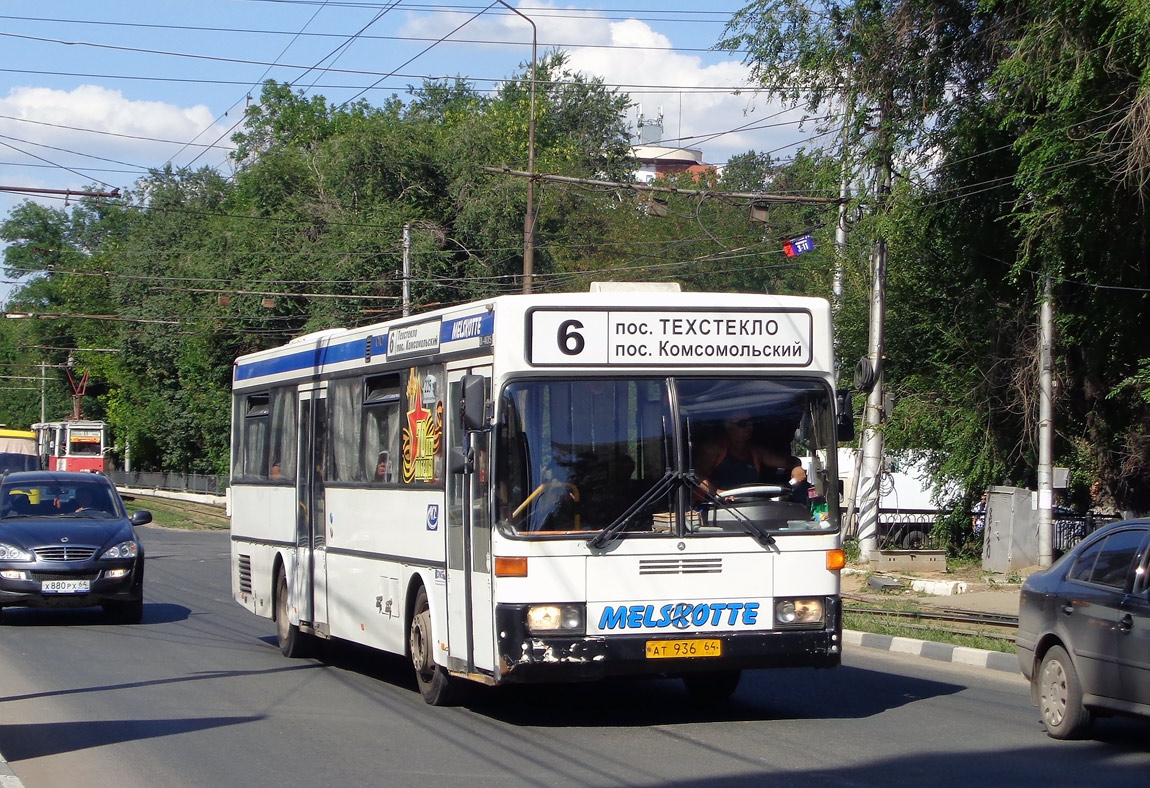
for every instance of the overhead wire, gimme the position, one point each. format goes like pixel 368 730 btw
pixel 252 87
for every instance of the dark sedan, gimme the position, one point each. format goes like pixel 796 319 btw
pixel 1084 631
pixel 67 541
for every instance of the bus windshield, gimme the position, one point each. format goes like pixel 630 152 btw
pixel 678 456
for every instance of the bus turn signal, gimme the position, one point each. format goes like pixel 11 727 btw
pixel 511 566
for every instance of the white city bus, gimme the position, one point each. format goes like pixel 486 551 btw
pixel 515 490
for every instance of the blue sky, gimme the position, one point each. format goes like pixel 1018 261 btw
pixel 92 94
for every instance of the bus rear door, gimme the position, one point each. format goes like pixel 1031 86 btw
pixel 310 576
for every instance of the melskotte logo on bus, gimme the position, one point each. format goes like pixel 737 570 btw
pixel 680 615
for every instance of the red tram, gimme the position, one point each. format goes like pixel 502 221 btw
pixel 73 445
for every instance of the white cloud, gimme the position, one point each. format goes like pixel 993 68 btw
pixel 34 117
pixel 694 115
pixel 632 55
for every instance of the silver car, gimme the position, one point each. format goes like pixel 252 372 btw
pixel 1084 631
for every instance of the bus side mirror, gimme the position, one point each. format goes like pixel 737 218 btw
pixel 844 416
pixel 474 400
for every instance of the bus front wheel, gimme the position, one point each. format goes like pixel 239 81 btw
pixel 707 688
pixel 435 685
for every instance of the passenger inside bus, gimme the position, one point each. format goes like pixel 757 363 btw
pixel 382 468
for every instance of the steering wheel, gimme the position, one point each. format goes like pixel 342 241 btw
pixel 753 492
pixel 544 487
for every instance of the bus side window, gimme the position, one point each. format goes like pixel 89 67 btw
pixel 254 439
pixel 381 422
pixel 283 435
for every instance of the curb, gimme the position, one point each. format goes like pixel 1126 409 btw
pixel 941 652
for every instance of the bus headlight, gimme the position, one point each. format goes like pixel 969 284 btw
pixel 555 619
pixel 798 612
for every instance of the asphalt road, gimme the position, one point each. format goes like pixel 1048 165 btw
pixel 198 695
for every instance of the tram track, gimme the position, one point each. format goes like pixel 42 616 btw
pixel 201 515
pixel 999 626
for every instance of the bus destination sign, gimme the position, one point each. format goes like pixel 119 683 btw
pixel 564 337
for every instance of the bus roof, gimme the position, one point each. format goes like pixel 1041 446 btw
pixel 470 328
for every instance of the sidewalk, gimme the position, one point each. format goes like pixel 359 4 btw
pixel 974 593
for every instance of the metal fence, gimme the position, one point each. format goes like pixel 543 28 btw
pixel 172 482
pixel 913 529
pixel 1070 529
pixel 908 529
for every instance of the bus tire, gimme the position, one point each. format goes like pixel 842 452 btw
pixel 293 643
pixel 711 687
pixel 436 687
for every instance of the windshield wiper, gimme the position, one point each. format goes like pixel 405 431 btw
pixel 670 480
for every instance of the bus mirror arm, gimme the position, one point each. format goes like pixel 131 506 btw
pixel 460 460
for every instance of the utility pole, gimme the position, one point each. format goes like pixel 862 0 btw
pixel 1046 424
pixel 406 270
pixel 841 241
pixel 841 228
pixel 529 214
pixel 867 482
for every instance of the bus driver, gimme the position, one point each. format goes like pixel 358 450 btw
pixel 736 460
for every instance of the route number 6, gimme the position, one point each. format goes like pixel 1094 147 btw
pixel 571 342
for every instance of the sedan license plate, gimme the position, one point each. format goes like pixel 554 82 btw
pixel 65 586
pixel 677 649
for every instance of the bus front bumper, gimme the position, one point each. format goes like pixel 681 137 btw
pixel 526 658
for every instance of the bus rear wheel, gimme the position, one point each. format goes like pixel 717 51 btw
pixel 292 642
pixel 436 687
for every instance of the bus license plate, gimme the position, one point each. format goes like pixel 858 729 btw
pixel 676 649
pixel 65 586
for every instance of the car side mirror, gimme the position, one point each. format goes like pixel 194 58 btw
pixel 141 517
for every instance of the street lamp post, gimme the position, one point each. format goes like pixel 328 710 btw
pixel 529 214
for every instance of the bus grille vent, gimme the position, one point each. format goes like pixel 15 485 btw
pixel 680 566
pixel 245 574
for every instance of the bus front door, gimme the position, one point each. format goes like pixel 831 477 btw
pixel 310 586
pixel 470 617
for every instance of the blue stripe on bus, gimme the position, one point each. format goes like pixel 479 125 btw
pixel 460 329
pixel 312 358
